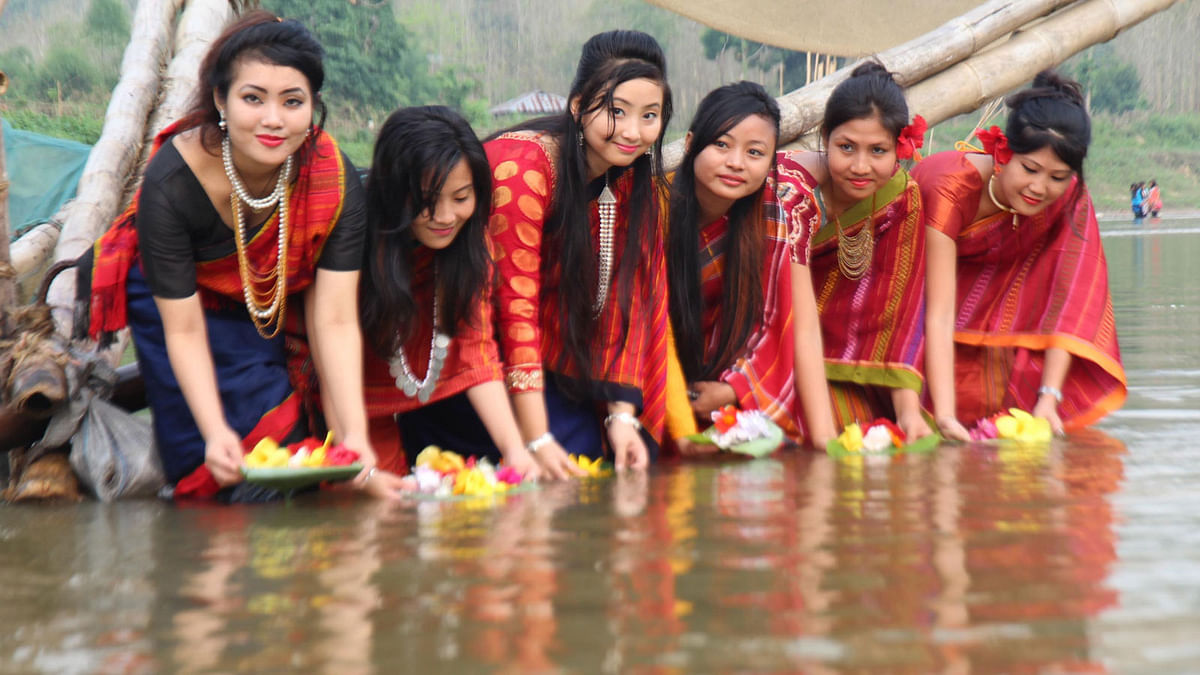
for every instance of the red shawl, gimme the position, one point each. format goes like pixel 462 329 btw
pixel 1023 290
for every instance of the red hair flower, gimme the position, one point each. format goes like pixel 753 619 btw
pixel 995 143
pixel 911 138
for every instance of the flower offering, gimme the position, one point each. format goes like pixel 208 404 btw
pixel 1017 425
pixel 880 438
pixel 441 473
pixel 309 453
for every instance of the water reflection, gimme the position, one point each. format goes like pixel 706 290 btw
pixel 1079 557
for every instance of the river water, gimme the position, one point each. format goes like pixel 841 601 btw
pixel 1083 557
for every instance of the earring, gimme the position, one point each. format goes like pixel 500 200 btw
pixel 308 132
pixel 650 153
pixel 581 139
pixel 221 124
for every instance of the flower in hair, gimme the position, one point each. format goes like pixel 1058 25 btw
pixel 911 138
pixel 995 143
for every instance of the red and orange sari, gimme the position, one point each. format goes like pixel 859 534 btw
pixel 1024 285
pixel 473 358
pixel 523 175
pixel 873 328
pixel 254 408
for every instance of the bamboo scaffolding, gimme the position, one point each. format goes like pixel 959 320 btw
pixel 997 71
pixel 912 61
pixel 115 154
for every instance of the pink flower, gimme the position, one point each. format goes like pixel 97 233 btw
pixel 509 475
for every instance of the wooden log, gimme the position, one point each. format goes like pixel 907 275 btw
pixel 115 154
pixel 912 61
pixel 33 249
pixel 1005 67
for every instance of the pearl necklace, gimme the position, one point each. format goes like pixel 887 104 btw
pixel 262 312
pixel 239 188
pixel 439 347
pixel 606 207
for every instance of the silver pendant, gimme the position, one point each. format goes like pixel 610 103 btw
pixel 607 196
pixel 441 341
pixel 410 388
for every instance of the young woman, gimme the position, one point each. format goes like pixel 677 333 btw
pixel 580 304
pixel 867 254
pixel 426 296
pixel 246 237
pixel 1019 311
pixel 732 286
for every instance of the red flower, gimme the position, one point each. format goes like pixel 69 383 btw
pixel 911 138
pixel 995 143
pixel 340 455
pixel 725 418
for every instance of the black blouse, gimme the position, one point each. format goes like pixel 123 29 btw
pixel 178 226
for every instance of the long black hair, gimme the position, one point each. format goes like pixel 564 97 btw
pixel 416 149
pixel 607 61
pixel 741 286
pixel 1051 114
pixel 870 91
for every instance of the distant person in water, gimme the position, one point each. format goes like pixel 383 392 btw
pixel 1153 198
pixel 1137 200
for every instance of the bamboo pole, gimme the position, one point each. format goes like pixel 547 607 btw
pixel 115 154
pixel 912 61
pixel 995 72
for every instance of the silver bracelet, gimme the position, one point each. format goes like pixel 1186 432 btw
pixel 627 418
pixel 1053 391
pixel 536 444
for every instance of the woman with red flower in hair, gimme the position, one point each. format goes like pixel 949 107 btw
pixel 1019 312
pixel 867 253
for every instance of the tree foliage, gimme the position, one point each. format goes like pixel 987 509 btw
pixel 1111 84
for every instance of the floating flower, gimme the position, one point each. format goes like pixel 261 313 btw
pixel 593 467
pixel 984 430
pixel 851 438
pixel 878 439
pixel 725 418
pixel 1017 425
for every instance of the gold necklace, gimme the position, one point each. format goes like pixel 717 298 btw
pixel 1008 209
pixel 856 251
pixel 265 307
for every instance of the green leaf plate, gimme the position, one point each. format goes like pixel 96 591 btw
pixel 928 444
pixel 286 478
pixel 759 447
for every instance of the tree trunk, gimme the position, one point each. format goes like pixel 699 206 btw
pixel 115 154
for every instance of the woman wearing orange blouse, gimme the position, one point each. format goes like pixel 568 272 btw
pixel 581 301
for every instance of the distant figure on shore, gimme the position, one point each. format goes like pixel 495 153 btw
pixel 1153 199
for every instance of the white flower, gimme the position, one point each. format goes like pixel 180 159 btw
pixel 751 425
pixel 428 479
pixel 877 439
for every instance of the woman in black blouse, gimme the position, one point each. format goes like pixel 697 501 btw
pixel 242 252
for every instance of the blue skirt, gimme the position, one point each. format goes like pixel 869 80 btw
pixel 452 424
pixel 252 378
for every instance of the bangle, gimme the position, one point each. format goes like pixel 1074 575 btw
pixel 1053 391
pixel 627 418
pixel 537 443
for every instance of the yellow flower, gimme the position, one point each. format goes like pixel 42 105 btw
pixel 593 467
pixel 472 482
pixel 852 438
pixel 428 456
pixel 261 454
pixel 1020 426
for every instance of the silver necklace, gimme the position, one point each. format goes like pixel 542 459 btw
pixel 239 188
pixel 606 206
pixel 439 347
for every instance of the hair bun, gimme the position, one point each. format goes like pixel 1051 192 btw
pixel 1049 84
pixel 868 68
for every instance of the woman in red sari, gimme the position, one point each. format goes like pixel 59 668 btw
pixel 867 254
pixel 1019 309
pixel 426 297
pixel 731 278
pixel 248 210
pixel 581 302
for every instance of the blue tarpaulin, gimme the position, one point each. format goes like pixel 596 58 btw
pixel 43 173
